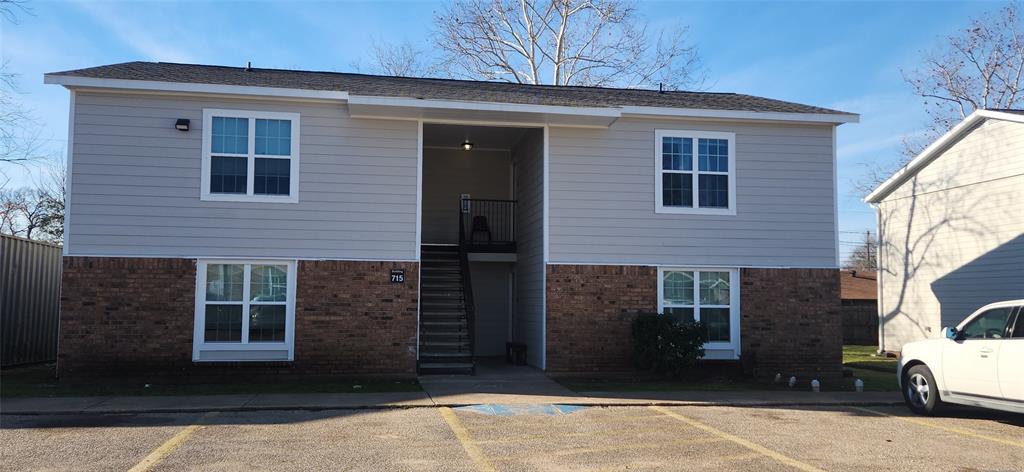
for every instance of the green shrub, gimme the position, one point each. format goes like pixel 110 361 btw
pixel 665 346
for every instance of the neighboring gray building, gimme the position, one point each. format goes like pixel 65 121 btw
pixel 951 227
pixel 253 217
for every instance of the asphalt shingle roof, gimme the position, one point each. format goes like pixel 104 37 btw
pixel 441 89
pixel 858 285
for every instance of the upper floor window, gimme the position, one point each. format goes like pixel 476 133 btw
pixel 695 172
pixel 250 156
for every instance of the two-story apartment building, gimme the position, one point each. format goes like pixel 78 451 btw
pixel 227 219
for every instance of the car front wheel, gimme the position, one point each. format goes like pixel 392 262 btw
pixel 920 391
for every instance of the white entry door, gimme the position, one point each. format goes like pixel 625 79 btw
pixel 970 363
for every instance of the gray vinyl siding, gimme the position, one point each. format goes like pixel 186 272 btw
pixel 136 184
pixel 953 236
pixel 449 173
pixel 530 264
pixel 602 200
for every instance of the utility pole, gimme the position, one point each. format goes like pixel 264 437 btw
pixel 867 246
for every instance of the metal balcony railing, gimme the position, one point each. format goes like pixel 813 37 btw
pixel 487 225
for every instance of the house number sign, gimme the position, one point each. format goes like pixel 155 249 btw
pixel 398 276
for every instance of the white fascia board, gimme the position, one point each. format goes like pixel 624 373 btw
pixel 934 149
pixel 366 100
pixel 667 112
pixel 186 87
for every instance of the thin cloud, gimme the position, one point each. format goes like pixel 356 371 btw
pixel 133 34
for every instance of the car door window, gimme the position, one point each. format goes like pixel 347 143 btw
pixel 988 325
pixel 1018 330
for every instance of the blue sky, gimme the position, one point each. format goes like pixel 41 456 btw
pixel 844 55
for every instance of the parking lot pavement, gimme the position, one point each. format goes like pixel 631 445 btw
pixel 520 437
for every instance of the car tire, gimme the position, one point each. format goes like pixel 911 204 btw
pixel 920 391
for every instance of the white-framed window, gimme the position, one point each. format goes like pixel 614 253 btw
pixel 709 295
pixel 245 311
pixel 695 172
pixel 250 156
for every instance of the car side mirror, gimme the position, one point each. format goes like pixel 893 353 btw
pixel 949 333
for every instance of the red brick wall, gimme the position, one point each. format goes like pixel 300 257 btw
pixel 126 314
pixel 134 315
pixel 790 321
pixel 590 311
pixel 350 318
pixel 789 318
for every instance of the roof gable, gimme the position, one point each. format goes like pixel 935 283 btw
pixel 937 148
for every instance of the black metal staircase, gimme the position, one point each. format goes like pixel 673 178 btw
pixel 446 342
pixel 447 312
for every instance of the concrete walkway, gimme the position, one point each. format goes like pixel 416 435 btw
pixel 492 385
pixel 353 401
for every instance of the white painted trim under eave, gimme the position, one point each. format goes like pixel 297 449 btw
pixel 669 112
pixel 68 172
pixel 835 193
pixel 187 87
pixel 934 149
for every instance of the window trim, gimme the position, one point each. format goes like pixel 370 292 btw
pixel 734 303
pixel 660 207
pixel 249 196
pixel 199 344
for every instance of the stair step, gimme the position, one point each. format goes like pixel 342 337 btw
pixel 455 336
pixel 430 324
pixel 444 343
pixel 433 355
pixel 446 365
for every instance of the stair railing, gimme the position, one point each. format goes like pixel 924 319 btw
pixel 467 289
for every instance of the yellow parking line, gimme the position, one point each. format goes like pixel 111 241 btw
pixel 462 434
pixel 929 424
pixel 171 445
pixel 738 440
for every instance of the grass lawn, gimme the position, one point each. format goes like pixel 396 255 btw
pixel 38 381
pixel 878 374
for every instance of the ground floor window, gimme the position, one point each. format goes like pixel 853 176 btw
pixel 708 295
pixel 245 310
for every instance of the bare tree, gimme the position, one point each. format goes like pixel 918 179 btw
pixel 979 67
pixel 865 256
pixel 554 42
pixel 403 59
pixel 35 212
pixel 19 130
pixel 9 9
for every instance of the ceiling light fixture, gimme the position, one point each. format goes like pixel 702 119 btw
pixel 467 145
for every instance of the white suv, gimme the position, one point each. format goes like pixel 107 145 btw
pixel 979 363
